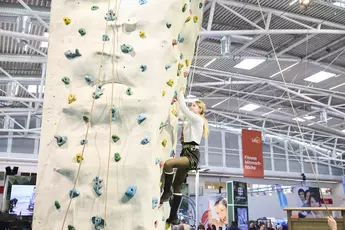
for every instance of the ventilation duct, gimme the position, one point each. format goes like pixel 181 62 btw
pixel 225 44
pixel 23 26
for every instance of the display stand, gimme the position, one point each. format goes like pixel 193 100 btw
pixel 314 223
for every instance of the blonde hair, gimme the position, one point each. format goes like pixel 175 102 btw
pixel 202 106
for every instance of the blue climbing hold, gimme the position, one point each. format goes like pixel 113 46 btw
pixel 180 39
pixel 110 16
pixel 157 161
pixel 70 55
pixel 105 38
pixel 74 193
pixel 143 68
pixel 172 153
pixel 60 140
pixel 167 66
pixel 142 2
pixel 98 93
pixel 97 186
pixel 145 141
pixel 98 222
pixel 163 124
pixel 131 190
pixel 113 113
pixel 200 5
pixel 141 118
pixel 126 48
pixel 154 202
pixel 83 142
pixel 89 79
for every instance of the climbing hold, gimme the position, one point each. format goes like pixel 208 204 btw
pixel 154 203
pixel 156 224
pixel 190 11
pixel 117 157
pixel 98 222
pixel 61 140
pixel 97 186
pixel 65 80
pixel 89 79
pixel 142 34
pixel 98 93
pixel 164 142
pixel 126 48
pixel 168 25
pixel 157 161
pixel 94 7
pixel 145 141
pixel 83 142
pixel 69 55
pixel 172 153
pixel 180 66
pixel 105 37
pixel 163 93
pixel 174 42
pixel 195 19
pixel 79 157
pixel 161 164
pixel 174 100
pixel 185 74
pixel 167 66
pixel 82 31
pixel 181 56
pixel 57 204
pixel 174 112
pixel 200 5
pixel 70 227
pixel 131 190
pixel 187 62
pixel 170 82
pixel 72 98
pixel 115 138
pixel 141 118
pixel 86 119
pixel 73 193
pixel 142 2
pixel 129 92
pixel 180 39
pixel 188 19
pixel 67 20
pixel 113 113
pixel 163 124
pixel 184 8
pixel 143 68
pixel 110 16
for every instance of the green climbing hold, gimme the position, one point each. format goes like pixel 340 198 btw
pixel 168 25
pixel 82 31
pixel 201 5
pixel 70 227
pixel 126 48
pixel 181 56
pixel 86 119
pixel 57 204
pixel 184 8
pixel 115 138
pixel 117 157
pixel 94 7
pixel 129 92
pixel 66 80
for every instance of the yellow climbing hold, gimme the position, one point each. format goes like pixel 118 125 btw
pixel 174 112
pixel 180 66
pixel 160 184
pixel 79 157
pixel 67 20
pixel 164 142
pixel 170 82
pixel 187 62
pixel 72 98
pixel 163 93
pixel 188 19
pixel 142 34
pixel 195 19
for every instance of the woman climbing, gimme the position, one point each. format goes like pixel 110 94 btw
pixel 192 132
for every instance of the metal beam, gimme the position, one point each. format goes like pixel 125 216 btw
pixel 26 80
pixel 22 58
pixel 221 33
pixel 23 36
pixel 25 99
pixel 13 10
pixel 295 43
pixel 211 14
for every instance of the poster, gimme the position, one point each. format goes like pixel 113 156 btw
pixel 253 165
pixel 309 197
pixel 241 217
pixel 240 193
pixel 217 212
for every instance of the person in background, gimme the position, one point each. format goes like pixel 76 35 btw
pixel 270 227
pixel 314 203
pixel 201 227
pixel 279 227
pixel 233 226
pixel 263 227
pixel 252 226
pixel 220 228
pixel 332 223
pixel 214 227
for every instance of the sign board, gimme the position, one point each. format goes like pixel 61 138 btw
pixel 253 165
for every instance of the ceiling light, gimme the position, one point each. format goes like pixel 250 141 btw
pixel 250 107
pixel 337 86
pixel 319 77
pixel 340 4
pixel 249 64
pixel 309 117
pixel 45 44
pixel 298 119
pixel 343 130
pixel 265 114
pixel 210 62
pixel 32 88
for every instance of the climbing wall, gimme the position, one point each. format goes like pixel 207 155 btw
pixel 109 119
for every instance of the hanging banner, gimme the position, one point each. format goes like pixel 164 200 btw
pixel 282 197
pixel 252 154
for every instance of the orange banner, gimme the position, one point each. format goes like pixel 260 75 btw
pixel 253 163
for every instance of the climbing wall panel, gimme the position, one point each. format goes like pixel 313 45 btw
pixel 109 119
